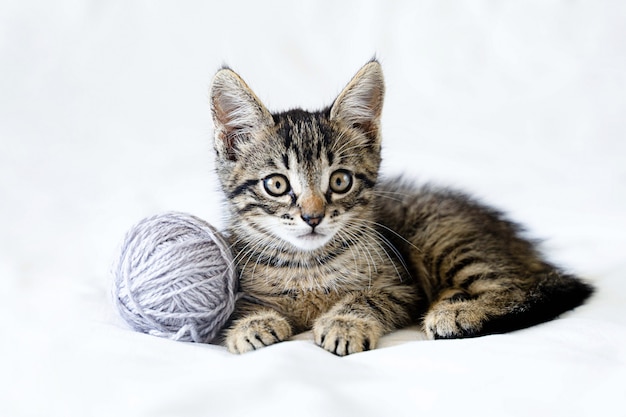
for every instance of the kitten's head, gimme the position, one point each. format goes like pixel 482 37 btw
pixel 298 179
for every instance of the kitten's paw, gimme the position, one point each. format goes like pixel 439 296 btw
pixel 451 319
pixel 256 331
pixel 345 334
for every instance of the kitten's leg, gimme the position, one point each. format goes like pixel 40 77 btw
pixel 481 304
pixel 258 327
pixel 356 322
pixel 497 304
pixel 459 313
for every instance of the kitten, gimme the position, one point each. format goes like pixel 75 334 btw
pixel 322 244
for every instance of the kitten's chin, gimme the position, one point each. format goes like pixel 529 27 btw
pixel 309 241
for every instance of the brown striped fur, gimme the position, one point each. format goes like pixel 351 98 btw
pixel 322 244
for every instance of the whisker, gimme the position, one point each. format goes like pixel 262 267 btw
pixel 394 233
pixel 377 237
pixel 356 243
pixel 399 200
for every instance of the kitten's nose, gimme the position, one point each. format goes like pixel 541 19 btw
pixel 312 220
pixel 312 209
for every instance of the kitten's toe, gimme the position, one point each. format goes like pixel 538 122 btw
pixel 256 331
pixel 344 334
pixel 454 319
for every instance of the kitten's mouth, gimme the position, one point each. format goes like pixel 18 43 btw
pixel 313 235
pixel 310 241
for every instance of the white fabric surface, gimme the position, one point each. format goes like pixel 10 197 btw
pixel 104 120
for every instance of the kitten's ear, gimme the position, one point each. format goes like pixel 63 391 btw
pixel 237 112
pixel 360 104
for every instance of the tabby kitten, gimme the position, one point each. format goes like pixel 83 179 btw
pixel 322 244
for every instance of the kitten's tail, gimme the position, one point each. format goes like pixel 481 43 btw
pixel 553 294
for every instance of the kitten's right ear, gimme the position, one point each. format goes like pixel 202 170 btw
pixel 237 112
pixel 361 102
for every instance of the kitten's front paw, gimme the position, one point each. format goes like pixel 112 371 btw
pixel 454 319
pixel 345 334
pixel 256 331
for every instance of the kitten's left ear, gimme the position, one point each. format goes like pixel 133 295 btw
pixel 360 104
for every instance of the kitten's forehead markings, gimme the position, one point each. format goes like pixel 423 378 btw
pixel 305 174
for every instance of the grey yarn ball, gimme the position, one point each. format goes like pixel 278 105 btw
pixel 175 278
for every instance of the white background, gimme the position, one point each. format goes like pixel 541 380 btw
pixel 104 120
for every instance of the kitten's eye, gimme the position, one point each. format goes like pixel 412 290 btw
pixel 276 185
pixel 341 181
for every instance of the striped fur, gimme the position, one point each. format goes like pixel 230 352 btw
pixel 322 244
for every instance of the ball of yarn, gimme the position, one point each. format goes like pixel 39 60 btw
pixel 175 278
